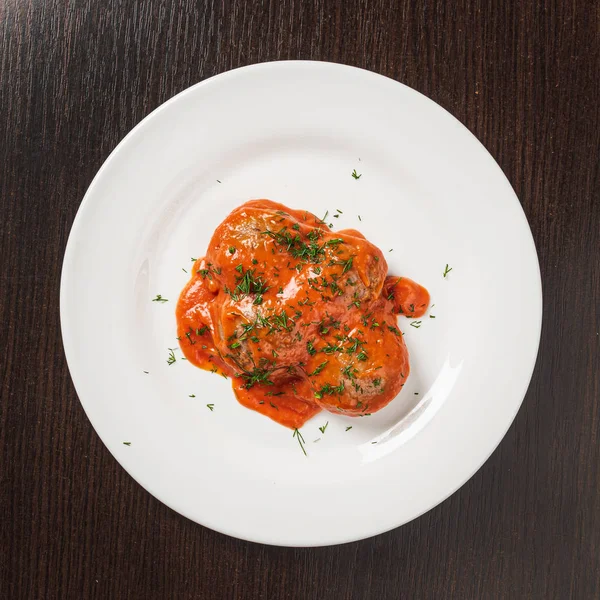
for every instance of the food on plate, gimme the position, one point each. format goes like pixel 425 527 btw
pixel 302 318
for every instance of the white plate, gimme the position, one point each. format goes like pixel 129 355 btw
pixel 293 132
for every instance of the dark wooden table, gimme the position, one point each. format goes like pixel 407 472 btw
pixel 76 76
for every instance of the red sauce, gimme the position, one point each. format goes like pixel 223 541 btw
pixel 408 297
pixel 300 317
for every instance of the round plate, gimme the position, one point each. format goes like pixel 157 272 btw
pixel 429 195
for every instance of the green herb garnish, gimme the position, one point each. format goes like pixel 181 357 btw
pixel 249 283
pixel 258 374
pixel 301 441
pixel 329 390
pixel 318 369
pixel 347 264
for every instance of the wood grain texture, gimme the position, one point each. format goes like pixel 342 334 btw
pixel 76 76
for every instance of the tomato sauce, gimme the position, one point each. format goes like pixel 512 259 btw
pixel 301 318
